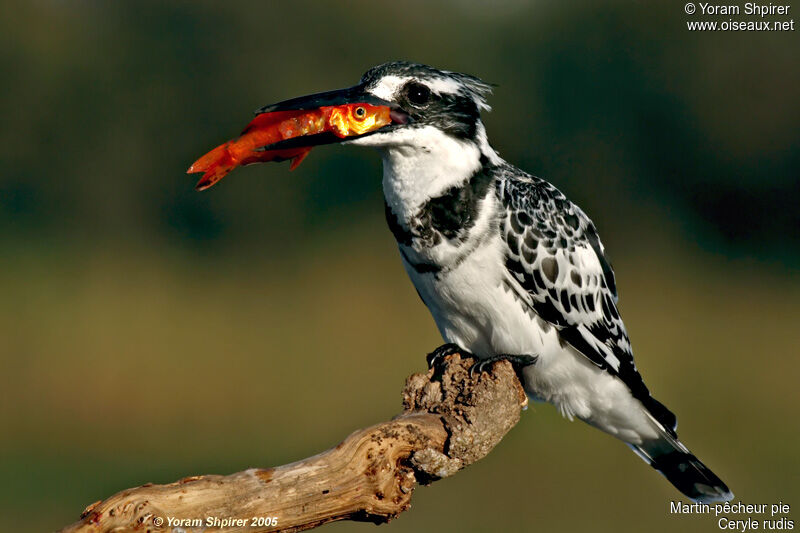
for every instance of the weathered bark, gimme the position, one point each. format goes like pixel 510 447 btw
pixel 450 420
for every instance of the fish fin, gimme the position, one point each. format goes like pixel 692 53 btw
pixel 215 165
pixel 265 120
pixel 211 158
pixel 212 176
pixel 296 160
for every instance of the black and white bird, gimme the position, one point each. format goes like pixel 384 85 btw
pixel 507 265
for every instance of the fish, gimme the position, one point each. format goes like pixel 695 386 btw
pixel 255 144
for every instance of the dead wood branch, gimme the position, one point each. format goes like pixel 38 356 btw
pixel 449 421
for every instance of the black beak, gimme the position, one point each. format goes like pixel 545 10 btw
pixel 352 95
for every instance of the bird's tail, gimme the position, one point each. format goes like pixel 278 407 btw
pixel 681 468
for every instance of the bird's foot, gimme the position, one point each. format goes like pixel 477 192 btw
pixel 436 357
pixel 519 362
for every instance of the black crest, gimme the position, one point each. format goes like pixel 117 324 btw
pixel 455 111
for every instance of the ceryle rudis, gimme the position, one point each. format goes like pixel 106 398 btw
pixel 507 265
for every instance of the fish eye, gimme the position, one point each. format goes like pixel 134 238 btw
pixel 417 93
pixel 360 112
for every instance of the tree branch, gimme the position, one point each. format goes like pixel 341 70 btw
pixel 449 421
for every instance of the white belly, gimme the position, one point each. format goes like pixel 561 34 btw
pixel 474 310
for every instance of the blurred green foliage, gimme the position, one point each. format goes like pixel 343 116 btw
pixel 104 105
pixel 151 332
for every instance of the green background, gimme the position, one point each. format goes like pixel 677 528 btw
pixel 149 332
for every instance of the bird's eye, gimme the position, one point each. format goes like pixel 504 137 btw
pixel 417 93
pixel 360 112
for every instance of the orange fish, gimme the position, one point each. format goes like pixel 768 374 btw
pixel 264 139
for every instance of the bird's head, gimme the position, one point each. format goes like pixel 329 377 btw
pixel 436 102
pixel 428 106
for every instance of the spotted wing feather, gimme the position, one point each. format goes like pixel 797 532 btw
pixel 557 266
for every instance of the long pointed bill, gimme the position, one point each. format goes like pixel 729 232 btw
pixel 351 95
pixel 289 129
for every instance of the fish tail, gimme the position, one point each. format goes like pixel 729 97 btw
pixel 215 165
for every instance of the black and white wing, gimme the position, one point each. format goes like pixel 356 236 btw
pixel 557 265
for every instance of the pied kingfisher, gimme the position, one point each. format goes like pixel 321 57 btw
pixel 507 265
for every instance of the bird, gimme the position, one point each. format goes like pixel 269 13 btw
pixel 508 267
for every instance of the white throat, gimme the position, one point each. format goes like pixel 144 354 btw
pixel 415 173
